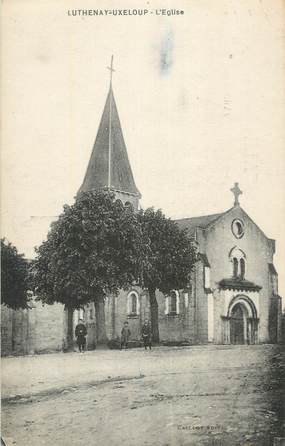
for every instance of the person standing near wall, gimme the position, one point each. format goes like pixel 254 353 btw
pixel 80 333
pixel 146 334
pixel 125 335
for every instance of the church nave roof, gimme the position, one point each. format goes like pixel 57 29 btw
pixel 198 222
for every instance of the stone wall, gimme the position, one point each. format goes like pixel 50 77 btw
pixel 135 321
pixel 201 305
pixel 172 328
pixel 6 330
pixel 274 322
pixel 178 327
pixel 49 333
pixel 37 330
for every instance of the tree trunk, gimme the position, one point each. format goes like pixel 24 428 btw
pixel 100 321
pixel 154 315
pixel 13 336
pixel 70 340
pixel 113 317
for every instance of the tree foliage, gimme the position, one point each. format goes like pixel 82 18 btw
pixel 14 276
pixel 171 258
pixel 95 248
pixel 172 252
pixel 98 246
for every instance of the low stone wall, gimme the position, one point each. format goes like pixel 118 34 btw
pixel 41 329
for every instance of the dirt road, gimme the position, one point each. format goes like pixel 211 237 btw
pixel 211 395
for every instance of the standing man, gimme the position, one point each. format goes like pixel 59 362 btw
pixel 146 334
pixel 80 333
pixel 125 335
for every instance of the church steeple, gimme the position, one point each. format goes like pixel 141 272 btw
pixel 109 165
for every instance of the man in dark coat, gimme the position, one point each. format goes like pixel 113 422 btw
pixel 146 334
pixel 125 335
pixel 80 333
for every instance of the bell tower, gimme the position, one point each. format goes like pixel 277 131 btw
pixel 109 166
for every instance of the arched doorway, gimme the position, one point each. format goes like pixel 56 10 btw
pixel 238 324
pixel 243 321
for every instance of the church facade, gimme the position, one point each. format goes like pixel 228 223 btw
pixel 232 297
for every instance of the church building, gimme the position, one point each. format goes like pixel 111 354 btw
pixel 232 297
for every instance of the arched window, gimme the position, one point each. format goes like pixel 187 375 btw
pixel 172 303
pixel 242 268
pixel 237 263
pixel 133 304
pixel 235 267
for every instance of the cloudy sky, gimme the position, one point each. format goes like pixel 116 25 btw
pixel 200 96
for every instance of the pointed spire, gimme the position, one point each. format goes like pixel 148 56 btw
pixel 109 164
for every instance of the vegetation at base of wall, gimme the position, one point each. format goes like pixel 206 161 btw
pixel 14 277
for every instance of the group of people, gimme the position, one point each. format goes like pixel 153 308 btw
pixel 145 334
pixel 81 333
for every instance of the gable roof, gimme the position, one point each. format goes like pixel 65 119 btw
pixel 198 222
pixel 205 221
pixel 109 135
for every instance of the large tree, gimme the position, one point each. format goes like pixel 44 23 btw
pixel 14 276
pixel 94 249
pixel 171 258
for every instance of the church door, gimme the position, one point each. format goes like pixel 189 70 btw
pixel 237 325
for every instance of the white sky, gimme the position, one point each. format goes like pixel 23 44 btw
pixel 215 116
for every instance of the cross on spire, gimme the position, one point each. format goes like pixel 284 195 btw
pixel 109 164
pixel 111 69
pixel 236 191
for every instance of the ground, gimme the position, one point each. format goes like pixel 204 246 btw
pixel 202 395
